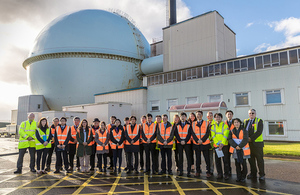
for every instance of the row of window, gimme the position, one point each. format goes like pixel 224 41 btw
pixel 252 63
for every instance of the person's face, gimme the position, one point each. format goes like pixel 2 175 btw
pixel 199 116
pixel 237 124
pixel 117 123
pixel 63 122
pixel 127 122
pixel 218 118
pixel 229 115
pixel 252 114
pixel 149 119
pixel 177 119
pixel 96 123
pixel 55 122
pixel 192 117
pixel 183 118
pixel 158 119
pixel 102 126
pixel 43 122
pixel 209 116
pixel 133 121
pixel 84 124
pixel 76 122
pixel 31 117
pixel 165 119
pixel 143 120
pixel 112 120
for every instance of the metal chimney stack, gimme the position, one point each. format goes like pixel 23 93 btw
pixel 172 12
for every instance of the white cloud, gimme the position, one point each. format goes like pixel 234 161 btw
pixel 290 27
pixel 249 24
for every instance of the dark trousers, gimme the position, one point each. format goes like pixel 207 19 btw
pixel 257 155
pixel 71 154
pixel 229 159
pixel 50 153
pixel 92 157
pixel 142 156
pixel 150 149
pixel 192 155
pixel 110 155
pixel 136 160
pixel 21 157
pixel 41 154
pixel 59 156
pixel 176 156
pixel 188 149
pixel 117 153
pixel 166 152
pixel 225 161
pixel 156 157
pixel 241 169
pixel 198 159
pixel 100 157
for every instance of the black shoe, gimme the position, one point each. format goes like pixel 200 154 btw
pixel 57 171
pixel 180 173
pixel 141 169
pixel 119 169
pixel 69 171
pixel 100 170
pixel 154 173
pixel 188 174
pixel 250 176
pixel 126 169
pixel 18 171
pixel 78 168
pixel 33 170
pixel 104 170
pixel 47 169
pixel 262 178
pixel 136 172
pixel 110 167
pixel 162 173
pixel 226 177
pixel 170 173
pixel 61 169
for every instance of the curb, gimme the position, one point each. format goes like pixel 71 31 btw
pixel 9 154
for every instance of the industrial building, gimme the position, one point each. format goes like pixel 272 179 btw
pixel 78 67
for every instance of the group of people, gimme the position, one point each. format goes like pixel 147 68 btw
pixel 216 139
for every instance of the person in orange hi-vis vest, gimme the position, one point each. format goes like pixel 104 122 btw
pixel 117 143
pixel 102 140
pixel 238 139
pixel 229 123
pixel 143 121
pixel 201 142
pixel 126 122
pixel 110 154
pixel 95 127
pixel 73 143
pixel 176 121
pixel 183 135
pixel 191 119
pixel 165 136
pixel 62 136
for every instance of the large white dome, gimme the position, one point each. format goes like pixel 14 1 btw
pixel 85 53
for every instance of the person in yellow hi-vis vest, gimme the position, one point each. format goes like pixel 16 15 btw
pixel 209 122
pixel 219 133
pixel 26 140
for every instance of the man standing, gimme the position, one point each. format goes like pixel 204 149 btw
pixel 165 136
pixel 229 123
pixel 110 154
pixel 55 122
pixel 254 126
pixel 73 143
pixel 26 140
pixel 95 127
pixel 183 135
pixel 210 122
pixel 143 121
pixel 148 132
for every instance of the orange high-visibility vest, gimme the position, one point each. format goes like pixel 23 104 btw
pixel 165 133
pixel 108 127
pixel 141 137
pixel 231 126
pixel 102 138
pixel 183 132
pixel 62 135
pixel 117 137
pixel 200 132
pixel 94 133
pixel 149 131
pixel 73 134
pixel 132 134
pixel 246 149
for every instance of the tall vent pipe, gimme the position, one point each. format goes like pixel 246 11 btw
pixel 172 12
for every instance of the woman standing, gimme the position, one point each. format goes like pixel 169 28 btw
pixel 238 140
pixel 102 140
pixel 42 144
pixel 84 137
pixel 191 119
pixel 116 143
pixel 176 120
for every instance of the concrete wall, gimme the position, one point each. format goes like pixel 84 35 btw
pixel 255 82
pixel 199 40
pixel 156 48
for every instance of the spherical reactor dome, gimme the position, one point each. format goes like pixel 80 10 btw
pixel 85 53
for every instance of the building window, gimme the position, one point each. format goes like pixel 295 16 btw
pixel 259 62
pixel 191 73
pixel 274 96
pixel 39 106
pixel 283 58
pixel 172 102
pixel 267 61
pixel 191 100
pixel 215 98
pixel 242 99
pixel 154 105
pixel 276 128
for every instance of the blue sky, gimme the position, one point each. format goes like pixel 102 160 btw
pixel 260 25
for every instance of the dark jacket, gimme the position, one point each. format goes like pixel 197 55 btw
pixel 143 133
pixel 254 136
pixel 132 148
pixel 81 148
pixel 112 139
pixel 187 138
pixel 204 138
pixel 160 138
pixel 236 132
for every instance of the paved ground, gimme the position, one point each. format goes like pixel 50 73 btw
pixel 282 178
